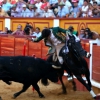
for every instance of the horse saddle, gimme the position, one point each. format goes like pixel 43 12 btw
pixel 64 50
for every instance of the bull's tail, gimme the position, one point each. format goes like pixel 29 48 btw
pixel 44 81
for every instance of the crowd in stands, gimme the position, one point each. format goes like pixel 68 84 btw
pixel 28 30
pixel 50 8
pixel 85 33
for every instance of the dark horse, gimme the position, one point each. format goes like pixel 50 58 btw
pixel 78 67
pixel 60 73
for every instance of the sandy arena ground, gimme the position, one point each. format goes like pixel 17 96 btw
pixel 51 92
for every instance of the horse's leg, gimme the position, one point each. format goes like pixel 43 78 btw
pixel 74 85
pixel 86 85
pixel 87 75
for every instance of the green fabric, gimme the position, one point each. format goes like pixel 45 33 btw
pixel 74 32
pixel 59 33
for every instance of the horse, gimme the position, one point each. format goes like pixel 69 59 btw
pixel 77 66
pixel 60 75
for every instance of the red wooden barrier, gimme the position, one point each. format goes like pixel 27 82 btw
pixel 14 45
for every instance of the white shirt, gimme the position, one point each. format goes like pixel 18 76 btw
pixel 49 13
pixel 68 4
pixel 31 13
pixel 54 40
pixel 15 14
pixel 25 13
pixel 38 5
pixel 53 1
pixel 84 8
pixel 36 34
pixel 38 11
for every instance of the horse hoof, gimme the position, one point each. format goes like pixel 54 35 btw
pixel 97 97
pixel 62 93
pixel 74 88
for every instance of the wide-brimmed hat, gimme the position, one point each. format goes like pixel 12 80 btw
pixel 74 1
pixel 61 4
pixel 23 5
pixel 34 6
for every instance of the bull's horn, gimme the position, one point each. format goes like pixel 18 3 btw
pixel 56 67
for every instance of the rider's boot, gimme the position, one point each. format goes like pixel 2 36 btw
pixel 69 77
pixel 88 55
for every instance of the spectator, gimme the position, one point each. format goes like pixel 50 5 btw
pixel 37 32
pixel 44 4
pixel 13 2
pixel 6 31
pixel 99 9
pixel 25 12
pixel 76 10
pixel 92 1
pixel 90 10
pixel 32 1
pixel 62 11
pixel 88 34
pixel 82 32
pixel 53 4
pixel 85 8
pixel 38 4
pixel 3 13
pixel 68 4
pixel 98 1
pixel 6 6
pixel 96 13
pixel 37 12
pixel 31 11
pixel 19 6
pixel 25 1
pixel 28 29
pixel 80 3
pixel 14 12
pixel 48 13
pixel 95 5
pixel 18 31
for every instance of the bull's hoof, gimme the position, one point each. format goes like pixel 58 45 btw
pixel 0 98
pixel 15 95
pixel 41 96
pixel 9 83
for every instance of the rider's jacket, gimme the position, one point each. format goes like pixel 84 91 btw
pixel 58 35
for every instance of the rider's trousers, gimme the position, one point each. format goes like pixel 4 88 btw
pixel 58 48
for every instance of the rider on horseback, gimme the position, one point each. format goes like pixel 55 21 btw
pixel 55 38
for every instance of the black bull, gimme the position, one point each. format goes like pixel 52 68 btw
pixel 26 70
